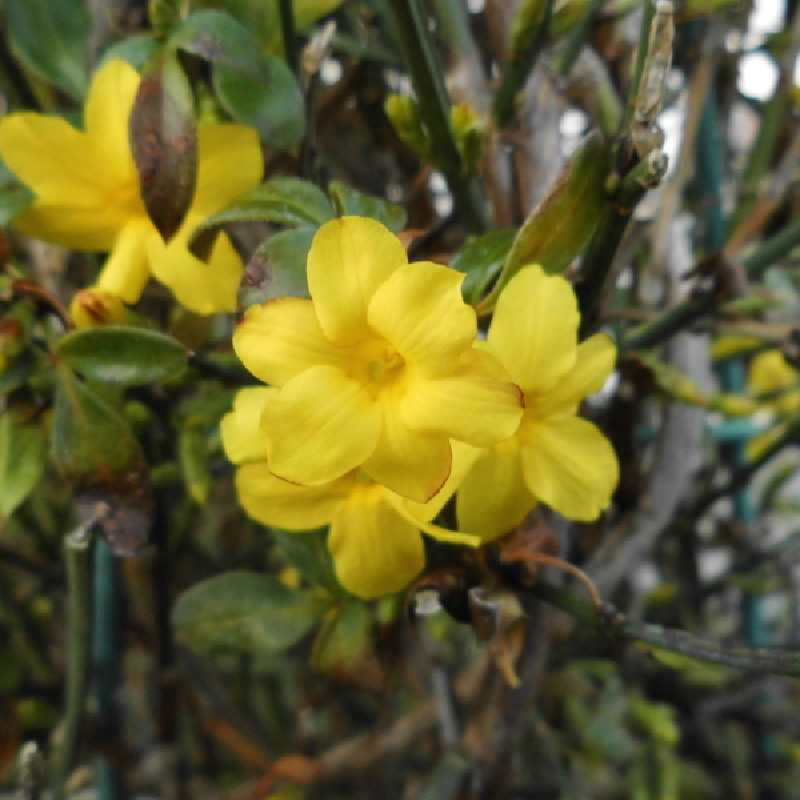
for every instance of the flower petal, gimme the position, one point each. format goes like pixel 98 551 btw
pixel 375 551
pixel 281 338
pixel 595 362
pixel 106 116
pixel 229 164
pixel 126 271
pixel 278 503
pixel 75 201
pixel 350 257
pixel 470 405
pixel 534 331
pixel 412 464
pixel 200 287
pixel 494 499
pixel 419 309
pixel 570 465
pixel 463 459
pixel 320 425
pixel 242 435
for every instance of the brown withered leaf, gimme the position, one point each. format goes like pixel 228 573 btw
pixel 164 144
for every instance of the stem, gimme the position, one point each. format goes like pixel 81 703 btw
pixel 289 34
pixel 519 67
pixel 648 12
pixel 79 616
pixel 106 664
pixel 415 42
pixel 772 250
pixel 578 37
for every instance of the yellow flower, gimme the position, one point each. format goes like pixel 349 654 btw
pixel 377 371
pixel 555 456
pixel 87 194
pixel 93 308
pixel 772 376
pixel 374 536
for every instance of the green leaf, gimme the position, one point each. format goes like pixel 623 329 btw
pixel 91 443
pixel 282 258
pixel 123 355
pixel 163 138
pixel 563 223
pixel 51 38
pixel 22 460
pixel 270 101
pixel 342 638
pixel 308 554
pixel 137 50
pixel 348 200
pixel 219 38
pixel 15 197
pixel 254 88
pixel 193 454
pixel 482 259
pixel 244 612
pixel 282 201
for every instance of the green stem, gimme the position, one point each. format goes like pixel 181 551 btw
pixel 597 262
pixel 686 313
pixel 577 39
pixel 519 67
pixel 289 34
pixel 609 626
pixel 648 12
pixel 106 663
pixel 79 617
pixel 426 76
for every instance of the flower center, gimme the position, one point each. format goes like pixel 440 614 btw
pixel 379 365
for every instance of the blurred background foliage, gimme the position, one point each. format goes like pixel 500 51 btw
pixel 225 660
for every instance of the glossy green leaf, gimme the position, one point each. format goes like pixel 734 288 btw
pixel 482 259
pixel 15 197
pixel 243 612
pixel 342 638
pixel 137 50
pixel 348 200
pixel 51 37
pixel 91 443
pixel 282 261
pixel 269 100
pixel 123 355
pixel 193 454
pixel 23 454
pixel 562 224
pixel 281 201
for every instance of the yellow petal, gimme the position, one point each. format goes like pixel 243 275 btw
pixel 281 504
pixel 569 465
pixel 200 287
pixel 281 338
pixel 77 204
pixel 759 444
pixel 229 164
pixel 349 259
pixel 106 117
pixel 242 436
pixel 771 372
pixel 596 359
pixel 463 458
pixel 419 309
pixel 493 498
pixel 534 331
pixel 414 465
pixel 375 551
pixel 126 271
pixel 320 425
pixel 471 405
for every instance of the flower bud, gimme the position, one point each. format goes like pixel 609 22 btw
pixel 92 308
pixel 469 133
pixel 404 115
